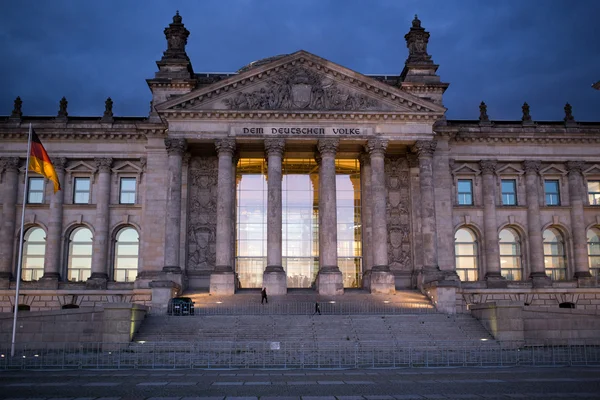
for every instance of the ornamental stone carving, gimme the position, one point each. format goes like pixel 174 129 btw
pixel 108 109
pixel 17 110
pixel 9 164
pixel 202 209
pixel 532 166
pixel 328 146
pixel 176 35
pixel 62 109
pixel 225 146
pixel 103 164
pixel 569 113
pixel 488 166
pixel 424 148
pixel 398 213
pixel 59 163
pixel 376 146
pixel 274 146
pixel 526 116
pixel 175 146
pixel 299 88
pixel 416 41
pixel 575 167
pixel 483 116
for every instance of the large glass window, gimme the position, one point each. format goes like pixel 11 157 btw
pixel 465 192
pixel 81 191
pixel 34 250
pixel 551 188
pixel 554 255
pixel 80 255
pixel 465 247
pixel 126 255
pixel 127 191
pixel 594 193
pixel 509 192
pixel 35 191
pixel 593 241
pixel 510 255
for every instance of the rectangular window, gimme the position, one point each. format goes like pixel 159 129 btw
pixel 594 193
pixel 127 191
pixel 465 192
pixel 509 192
pixel 35 191
pixel 81 191
pixel 552 193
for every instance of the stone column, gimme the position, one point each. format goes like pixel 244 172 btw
pixel 55 226
pixel 534 228
pixel 492 252
pixel 175 150
pixel 366 211
pixel 274 278
pixel 576 197
pixel 329 280
pixel 101 239
pixel 425 150
pixel 222 280
pixel 10 189
pixel 382 280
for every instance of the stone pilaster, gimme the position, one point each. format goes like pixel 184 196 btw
pixel 175 150
pixel 366 212
pixel 10 188
pixel 55 227
pixel 576 198
pixel 492 252
pixel 101 240
pixel 222 280
pixel 534 228
pixel 329 280
pixel 274 278
pixel 382 280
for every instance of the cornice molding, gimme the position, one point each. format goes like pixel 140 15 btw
pixel 534 140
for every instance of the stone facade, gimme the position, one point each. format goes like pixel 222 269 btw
pixel 180 165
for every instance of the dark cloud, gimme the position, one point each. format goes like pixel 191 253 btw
pixel 544 52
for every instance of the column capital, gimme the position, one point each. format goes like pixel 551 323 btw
pixel 225 146
pixel 175 146
pixel 274 147
pixel 59 163
pixel 328 146
pixel 9 163
pixel 103 164
pixel 424 148
pixel 575 167
pixel 532 166
pixel 488 166
pixel 376 146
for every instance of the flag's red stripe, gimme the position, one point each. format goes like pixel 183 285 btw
pixel 38 151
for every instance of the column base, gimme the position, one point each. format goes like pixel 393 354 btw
pixel 382 280
pixel 540 280
pixel 275 280
pixel 175 274
pixel 584 279
pixel 330 281
pixel 162 292
pixel 495 281
pixel 49 280
pixel 97 281
pixel 5 280
pixel 222 281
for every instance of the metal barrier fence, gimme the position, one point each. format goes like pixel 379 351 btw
pixel 294 355
pixel 307 308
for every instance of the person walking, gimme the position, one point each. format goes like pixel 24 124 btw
pixel 263 295
pixel 317 308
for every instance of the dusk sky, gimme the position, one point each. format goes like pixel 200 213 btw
pixel 505 52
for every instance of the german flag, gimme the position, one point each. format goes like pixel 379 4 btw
pixel 40 162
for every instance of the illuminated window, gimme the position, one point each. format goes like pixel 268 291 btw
pixel 510 255
pixel 80 255
pixel 554 255
pixel 593 241
pixel 594 193
pixel 126 255
pixel 34 250
pixel 35 191
pixel 81 191
pixel 465 246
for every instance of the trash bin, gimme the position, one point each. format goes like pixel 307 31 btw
pixel 180 306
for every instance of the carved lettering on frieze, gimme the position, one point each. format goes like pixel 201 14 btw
pixel 298 88
pixel 398 213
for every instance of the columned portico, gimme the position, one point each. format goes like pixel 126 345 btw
pixel 222 279
pixel 9 217
pixel 576 196
pixel 274 278
pixel 329 280
pixel 99 275
pixel 382 280
pixel 491 250
pixel 55 227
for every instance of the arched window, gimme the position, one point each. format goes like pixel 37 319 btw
pixel 465 245
pixel 593 241
pixel 510 255
pixel 126 255
pixel 80 255
pixel 554 255
pixel 34 250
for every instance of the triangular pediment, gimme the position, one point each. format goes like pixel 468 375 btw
pixel 553 169
pixel 592 170
pixel 126 166
pixel 300 82
pixel 510 169
pixel 465 169
pixel 80 166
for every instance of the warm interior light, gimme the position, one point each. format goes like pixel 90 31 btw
pixel 386 301
pixel 332 302
pixel 219 302
pixel 142 342
pixel 483 340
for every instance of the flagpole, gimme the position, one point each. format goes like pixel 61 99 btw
pixel 21 237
